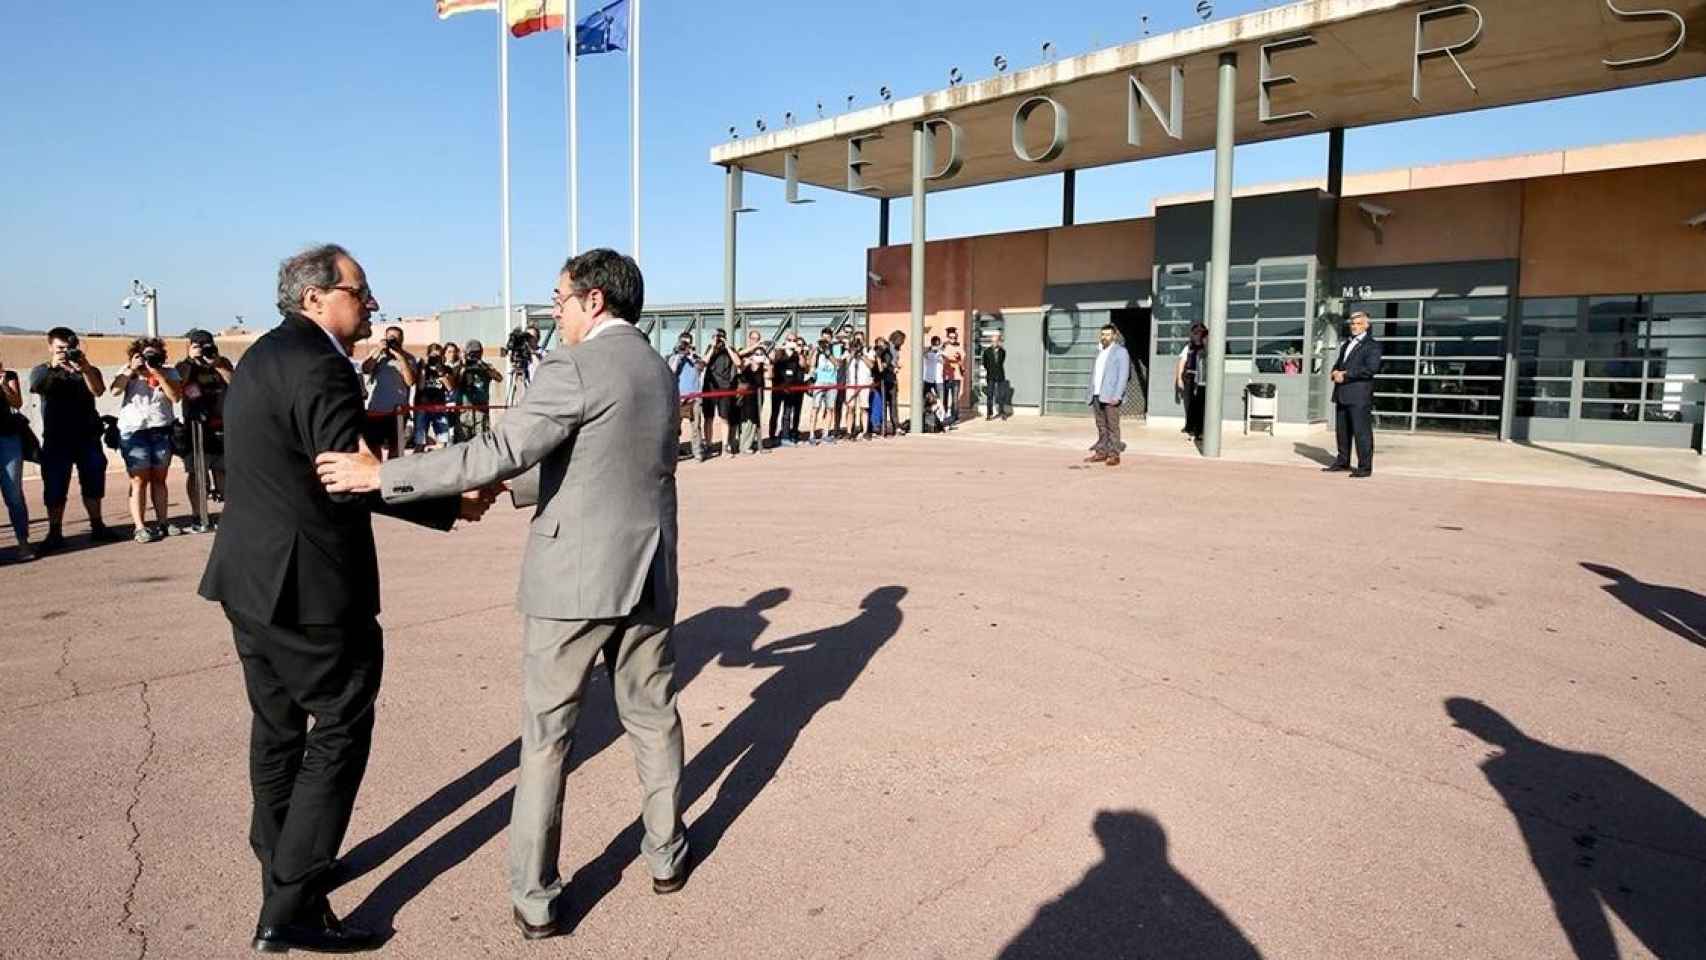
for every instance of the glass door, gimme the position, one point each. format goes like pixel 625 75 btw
pixel 1444 363
pixel 1611 369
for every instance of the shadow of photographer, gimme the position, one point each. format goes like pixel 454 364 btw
pixel 1131 904
pixel 1603 838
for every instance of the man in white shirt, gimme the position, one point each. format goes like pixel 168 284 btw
pixel 1107 391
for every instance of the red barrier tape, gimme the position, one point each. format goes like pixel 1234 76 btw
pixel 435 408
pixel 743 392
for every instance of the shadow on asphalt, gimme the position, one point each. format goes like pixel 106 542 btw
pixel 815 669
pixel 1603 838
pixel 1620 468
pixel 728 632
pixel 1319 455
pixel 1677 609
pixel 1132 904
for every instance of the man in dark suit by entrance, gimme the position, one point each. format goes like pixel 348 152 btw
pixel 1353 398
pixel 296 572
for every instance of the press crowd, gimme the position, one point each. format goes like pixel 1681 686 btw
pixel 165 406
pixel 840 387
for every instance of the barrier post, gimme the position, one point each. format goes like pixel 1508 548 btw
pixel 402 419
pixel 198 463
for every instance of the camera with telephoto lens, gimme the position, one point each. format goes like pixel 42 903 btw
pixel 73 355
pixel 154 359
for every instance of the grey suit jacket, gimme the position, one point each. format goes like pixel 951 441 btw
pixel 601 422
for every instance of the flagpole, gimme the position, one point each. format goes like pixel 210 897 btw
pixel 503 150
pixel 571 58
pixel 634 102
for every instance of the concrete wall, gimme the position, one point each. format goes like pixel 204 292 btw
pixel 1477 222
pixel 1618 231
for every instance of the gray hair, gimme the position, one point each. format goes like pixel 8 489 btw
pixel 313 268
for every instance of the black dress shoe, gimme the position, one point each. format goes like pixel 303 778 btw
pixel 327 935
pixel 1335 468
pixel 532 931
pixel 1361 474
pixel 674 884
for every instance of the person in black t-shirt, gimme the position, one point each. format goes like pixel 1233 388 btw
pixel 67 385
pixel 754 363
pixel 720 363
pixel 785 369
pixel 204 376
pixel 995 379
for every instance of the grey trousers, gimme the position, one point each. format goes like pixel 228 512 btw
pixel 694 418
pixel 1107 427
pixel 556 661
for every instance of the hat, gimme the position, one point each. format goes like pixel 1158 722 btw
pixel 201 337
pixel 473 346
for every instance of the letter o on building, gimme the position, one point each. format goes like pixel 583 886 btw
pixel 1057 144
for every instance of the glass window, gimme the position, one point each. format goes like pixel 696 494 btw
pixel 1284 291
pixel 1610 411
pixel 1528 369
pixel 1613 390
pixel 1446 385
pixel 1285 271
pixel 1472 425
pixel 1550 307
pixel 1666 303
pixel 1544 409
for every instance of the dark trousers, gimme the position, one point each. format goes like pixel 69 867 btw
pixel 779 426
pixel 997 399
pixel 1355 421
pixel 793 403
pixel 1107 427
pixel 1194 401
pixel 303 780
pixel 951 399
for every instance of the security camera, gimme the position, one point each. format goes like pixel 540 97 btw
pixel 1698 220
pixel 875 278
pixel 125 303
pixel 1376 215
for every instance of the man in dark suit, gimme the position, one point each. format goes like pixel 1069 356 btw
pixel 1353 398
pixel 296 572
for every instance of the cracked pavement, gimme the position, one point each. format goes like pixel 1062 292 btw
pixel 1181 709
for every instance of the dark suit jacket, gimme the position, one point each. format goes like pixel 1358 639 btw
pixel 1364 363
pixel 287 552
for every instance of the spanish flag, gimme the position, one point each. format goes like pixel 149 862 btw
pixel 523 16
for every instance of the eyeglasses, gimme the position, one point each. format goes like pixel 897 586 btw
pixel 363 295
pixel 559 299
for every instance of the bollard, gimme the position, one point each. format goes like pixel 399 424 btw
pixel 198 463
pixel 402 420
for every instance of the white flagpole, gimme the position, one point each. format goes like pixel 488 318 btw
pixel 571 59
pixel 503 147
pixel 634 102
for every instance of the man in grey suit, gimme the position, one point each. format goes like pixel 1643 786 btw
pixel 1107 391
pixel 601 423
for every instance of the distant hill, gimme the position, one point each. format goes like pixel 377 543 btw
pixel 19 330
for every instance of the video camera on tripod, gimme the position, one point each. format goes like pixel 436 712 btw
pixel 519 349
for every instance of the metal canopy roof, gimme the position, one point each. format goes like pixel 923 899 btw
pixel 1357 72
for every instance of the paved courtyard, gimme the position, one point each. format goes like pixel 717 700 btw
pixel 951 697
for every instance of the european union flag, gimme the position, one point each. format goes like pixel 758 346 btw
pixel 603 31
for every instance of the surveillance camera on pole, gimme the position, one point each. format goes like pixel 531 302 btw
pixel 149 298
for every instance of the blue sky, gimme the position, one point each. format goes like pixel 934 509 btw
pixel 194 145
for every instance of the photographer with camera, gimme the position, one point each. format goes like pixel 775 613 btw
pixel 149 387
pixel 688 369
pixel 392 372
pixel 437 384
pixel 719 363
pixel 204 375
pixel 12 427
pixel 474 379
pixel 67 385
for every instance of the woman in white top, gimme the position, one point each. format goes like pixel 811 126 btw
pixel 858 388
pixel 149 387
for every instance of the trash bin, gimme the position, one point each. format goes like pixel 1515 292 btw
pixel 1261 405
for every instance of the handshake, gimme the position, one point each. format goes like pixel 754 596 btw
pixel 358 472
